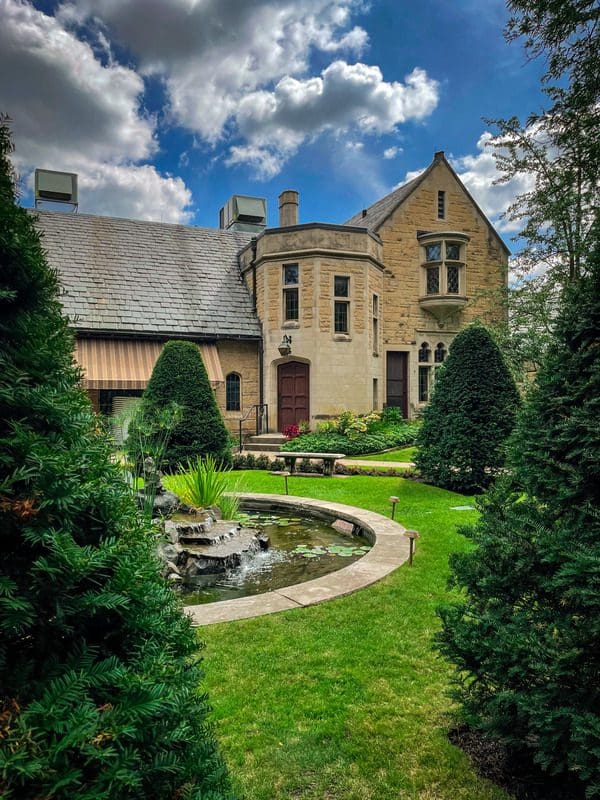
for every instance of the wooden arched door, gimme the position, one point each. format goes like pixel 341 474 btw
pixel 292 393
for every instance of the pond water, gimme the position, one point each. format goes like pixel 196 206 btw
pixel 300 550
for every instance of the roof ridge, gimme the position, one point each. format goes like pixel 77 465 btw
pixel 111 218
pixel 376 214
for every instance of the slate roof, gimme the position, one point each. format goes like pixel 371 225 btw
pixel 380 211
pixel 124 276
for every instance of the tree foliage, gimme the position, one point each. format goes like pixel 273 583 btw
pixel 470 415
pixel 556 155
pixel 179 377
pixel 567 33
pixel 526 641
pixel 99 670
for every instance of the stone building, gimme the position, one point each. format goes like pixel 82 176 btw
pixel 304 320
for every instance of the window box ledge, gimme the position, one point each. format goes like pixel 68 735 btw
pixel 443 305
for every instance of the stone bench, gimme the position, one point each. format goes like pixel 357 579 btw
pixel 328 460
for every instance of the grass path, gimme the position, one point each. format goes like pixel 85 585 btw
pixel 346 700
pixel 405 454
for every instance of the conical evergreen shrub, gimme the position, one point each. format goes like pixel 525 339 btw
pixel 526 641
pixel 470 415
pixel 99 673
pixel 179 378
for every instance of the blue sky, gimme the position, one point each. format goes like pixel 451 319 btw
pixel 165 109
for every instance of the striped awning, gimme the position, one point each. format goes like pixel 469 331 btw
pixel 128 363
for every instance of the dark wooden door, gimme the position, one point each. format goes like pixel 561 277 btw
pixel 292 393
pixel 397 381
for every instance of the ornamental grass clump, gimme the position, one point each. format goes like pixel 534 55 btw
pixel 461 444
pixel 99 673
pixel 202 484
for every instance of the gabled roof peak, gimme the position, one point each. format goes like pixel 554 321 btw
pixel 375 215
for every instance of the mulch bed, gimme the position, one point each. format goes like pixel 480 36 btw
pixel 517 776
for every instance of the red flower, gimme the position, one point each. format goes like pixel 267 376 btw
pixel 291 431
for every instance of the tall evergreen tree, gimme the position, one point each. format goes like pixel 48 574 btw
pixel 99 670
pixel 556 155
pixel 526 641
pixel 179 377
pixel 470 415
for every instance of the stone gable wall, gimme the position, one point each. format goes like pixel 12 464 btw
pixel 405 324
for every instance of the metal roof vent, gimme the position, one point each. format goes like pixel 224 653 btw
pixel 242 213
pixel 56 187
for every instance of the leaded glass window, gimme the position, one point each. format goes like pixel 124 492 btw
pixel 232 392
pixel 433 280
pixel 433 252
pixel 453 251
pixel 341 286
pixel 424 384
pixel 440 353
pixel 290 304
pixel 452 278
pixel 290 292
pixel 290 274
pixel 424 353
pixel 340 316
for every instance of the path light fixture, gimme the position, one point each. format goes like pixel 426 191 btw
pixel 286 475
pixel 393 501
pixel 411 536
pixel 285 348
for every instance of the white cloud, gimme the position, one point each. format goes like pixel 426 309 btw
pixel 212 53
pixel 71 112
pixel 391 152
pixel 139 192
pixel 239 71
pixel 478 172
pixel 345 97
pixel 266 163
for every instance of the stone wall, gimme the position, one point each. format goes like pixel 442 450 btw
pixel 405 324
pixel 342 366
pixel 243 358
pixel 349 371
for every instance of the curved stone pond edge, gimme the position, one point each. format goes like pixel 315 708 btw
pixel 389 551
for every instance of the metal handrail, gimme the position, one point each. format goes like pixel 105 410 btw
pixel 261 411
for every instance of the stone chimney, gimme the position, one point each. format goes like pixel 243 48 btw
pixel 288 208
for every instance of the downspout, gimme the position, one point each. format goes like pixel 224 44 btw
pixel 261 347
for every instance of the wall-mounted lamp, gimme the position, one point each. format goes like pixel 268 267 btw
pixel 285 348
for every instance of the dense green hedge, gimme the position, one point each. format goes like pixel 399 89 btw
pixel 100 685
pixel 471 414
pixel 179 377
pixel 526 638
pixel 391 436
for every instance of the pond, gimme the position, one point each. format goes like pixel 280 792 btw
pixel 300 549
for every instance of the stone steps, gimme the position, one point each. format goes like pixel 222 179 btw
pixel 265 443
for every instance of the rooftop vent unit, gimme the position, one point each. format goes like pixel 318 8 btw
pixel 56 187
pixel 241 213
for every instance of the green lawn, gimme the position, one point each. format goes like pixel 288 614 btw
pixel 346 700
pixel 405 454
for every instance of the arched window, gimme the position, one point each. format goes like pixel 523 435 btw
pixel 424 353
pixel 233 393
pixel 440 353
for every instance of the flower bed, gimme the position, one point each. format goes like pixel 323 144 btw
pixel 355 435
